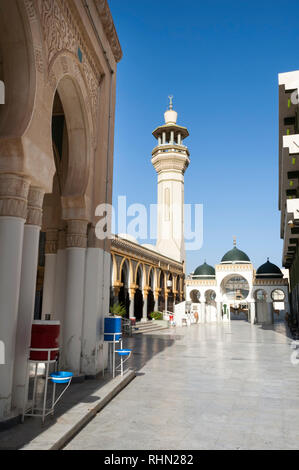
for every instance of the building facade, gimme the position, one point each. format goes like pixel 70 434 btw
pixel 58 61
pixel 234 290
pixel 288 181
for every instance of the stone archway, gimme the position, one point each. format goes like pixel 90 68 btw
pixel 210 305
pixel 235 292
pixel 150 298
pixel 123 296
pixel 138 297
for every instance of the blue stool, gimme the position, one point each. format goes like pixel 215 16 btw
pixel 60 378
pixel 123 353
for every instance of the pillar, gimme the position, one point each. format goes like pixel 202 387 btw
pixel 76 241
pixel 132 291
pixel 50 274
pixel 115 291
pixel 144 309
pixel 27 293
pixel 219 311
pixel 171 137
pixel 96 306
pixel 163 137
pixel 13 213
pixel 60 279
pixel 156 299
pixel 203 311
pixel 179 138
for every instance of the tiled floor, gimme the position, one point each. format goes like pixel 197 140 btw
pixel 228 386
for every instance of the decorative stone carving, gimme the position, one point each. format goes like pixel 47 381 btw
pixel 13 195
pixel 30 8
pixel 58 35
pixel 109 28
pixel 62 35
pixel 76 236
pixel 35 204
pixel 39 60
pixel 61 239
pixel 51 242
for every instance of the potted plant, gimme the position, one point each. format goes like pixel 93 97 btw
pixel 118 310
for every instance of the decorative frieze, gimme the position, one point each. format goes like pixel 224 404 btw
pixel 271 282
pixel 76 236
pixel 51 242
pixel 13 195
pixel 139 253
pixel 35 205
pixel 234 267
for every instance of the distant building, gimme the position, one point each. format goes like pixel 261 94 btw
pixel 288 180
pixel 234 290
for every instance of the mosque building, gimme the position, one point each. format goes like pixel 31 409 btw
pixel 234 290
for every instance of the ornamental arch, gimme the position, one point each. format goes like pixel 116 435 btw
pixel 54 171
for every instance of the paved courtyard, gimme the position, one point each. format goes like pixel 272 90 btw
pixel 228 386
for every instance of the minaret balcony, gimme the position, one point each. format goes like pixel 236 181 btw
pixel 171 148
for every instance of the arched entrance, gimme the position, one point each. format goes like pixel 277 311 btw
pixel 170 298
pixel 150 298
pixel 161 301
pixel 123 296
pixel 235 290
pixel 278 304
pixel 138 297
pixel 211 307
pixel 262 311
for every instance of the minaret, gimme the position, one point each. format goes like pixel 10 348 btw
pixel 171 159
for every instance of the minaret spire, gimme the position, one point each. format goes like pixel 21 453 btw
pixel 235 241
pixel 170 159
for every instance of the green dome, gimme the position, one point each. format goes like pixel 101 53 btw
pixel 205 271
pixel 235 256
pixel 268 270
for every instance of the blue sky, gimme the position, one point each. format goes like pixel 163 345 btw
pixel 220 59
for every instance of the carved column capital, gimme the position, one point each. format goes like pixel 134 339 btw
pixel 35 206
pixel 61 239
pixel 51 241
pixel 13 195
pixel 76 236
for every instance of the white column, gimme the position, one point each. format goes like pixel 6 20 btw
pixel 179 138
pixel 172 137
pixel 74 294
pixel 50 274
pixel 156 307
pixel 131 297
pixel 27 293
pixel 95 308
pixel 13 212
pixel 60 280
pixel 252 313
pixel 144 310
pixel 203 311
pixel 163 137
pixel 219 310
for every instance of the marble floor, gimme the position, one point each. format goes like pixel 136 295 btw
pixel 229 386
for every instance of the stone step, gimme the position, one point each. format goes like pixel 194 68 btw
pixel 151 330
pixel 148 327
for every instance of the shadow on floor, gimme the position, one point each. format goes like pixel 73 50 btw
pixel 144 347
